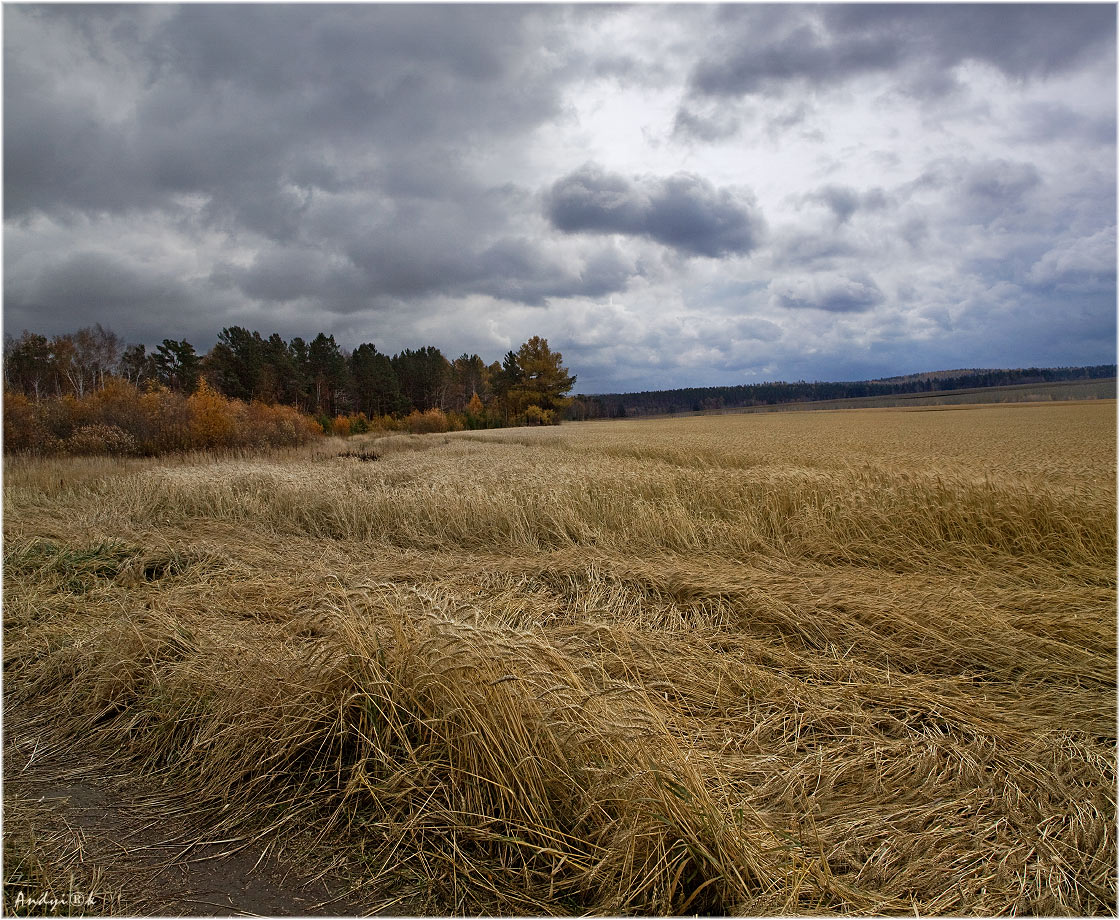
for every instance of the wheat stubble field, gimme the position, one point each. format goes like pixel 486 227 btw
pixel 853 662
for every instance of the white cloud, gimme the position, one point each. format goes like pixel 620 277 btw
pixel 1085 265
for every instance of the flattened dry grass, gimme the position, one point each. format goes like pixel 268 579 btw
pixel 833 662
pixel 45 869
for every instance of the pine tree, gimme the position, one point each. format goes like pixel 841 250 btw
pixel 544 381
pixel 330 375
pixel 423 376
pixel 376 389
pixel 28 364
pixel 177 365
pixel 233 366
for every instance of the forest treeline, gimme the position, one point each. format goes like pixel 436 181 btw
pixel 699 399
pixel 89 392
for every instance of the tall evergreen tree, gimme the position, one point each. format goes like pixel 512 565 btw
pixel 376 390
pixel 504 379
pixel 301 364
pixel 234 364
pixel 544 381
pixel 423 376
pixel 282 379
pixel 177 365
pixel 28 364
pixel 328 373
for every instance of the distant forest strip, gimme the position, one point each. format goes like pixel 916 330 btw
pixel 89 392
pixel 702 399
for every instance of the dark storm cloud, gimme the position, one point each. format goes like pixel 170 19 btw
pixel 332 138
pixel 237 102
pixel 812 251
pixel 831 294
pixel 1001 183
pixel 844 201
pixel 1022 40
pixel 510 268
pixel 1052 122
pixel 96 285
pixel 707 128
pixel 516 270
pixel 915 231
pixel 983 192
pixel 800 54
pixel 991 193
pixel 830 44
pixel 55 151
pixel 286 273
pixel 278 47
pixel 685 212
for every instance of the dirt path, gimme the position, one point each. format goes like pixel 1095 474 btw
pixel 114 839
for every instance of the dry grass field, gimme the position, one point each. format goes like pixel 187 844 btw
pixel 856 662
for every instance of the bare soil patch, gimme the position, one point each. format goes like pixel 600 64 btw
pixel 108 842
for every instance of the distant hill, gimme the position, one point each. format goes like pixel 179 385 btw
pixel 937 375
pixel 699 399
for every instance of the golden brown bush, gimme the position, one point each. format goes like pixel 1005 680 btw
pixel 163 421
pixel 430 422
pixel 213 418
pixel 263 425
pixel 122 419
pixel 101 439
pixel 21 423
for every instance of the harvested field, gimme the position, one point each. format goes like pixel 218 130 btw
pixel 857 662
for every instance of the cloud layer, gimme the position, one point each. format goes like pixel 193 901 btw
pixel 673 195
pixel 683 211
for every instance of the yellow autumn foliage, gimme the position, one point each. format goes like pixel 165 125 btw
pixel 213 422
pixel 151 421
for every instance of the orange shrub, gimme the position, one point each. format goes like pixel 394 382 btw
pixel 56 416
pixel 121 419
pixel 535 415
pixel 117 403
pixel 429 422
pixel 19 422
pixel 385 423
pixel 76 413
pixel 163 421
pixel 212 419
pixel 23 426
pixel 101 439
pixel 278 426
pixel 475 414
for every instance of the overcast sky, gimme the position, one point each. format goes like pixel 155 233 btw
pixel 673 195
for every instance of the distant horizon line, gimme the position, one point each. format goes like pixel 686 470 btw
pixel 946 374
